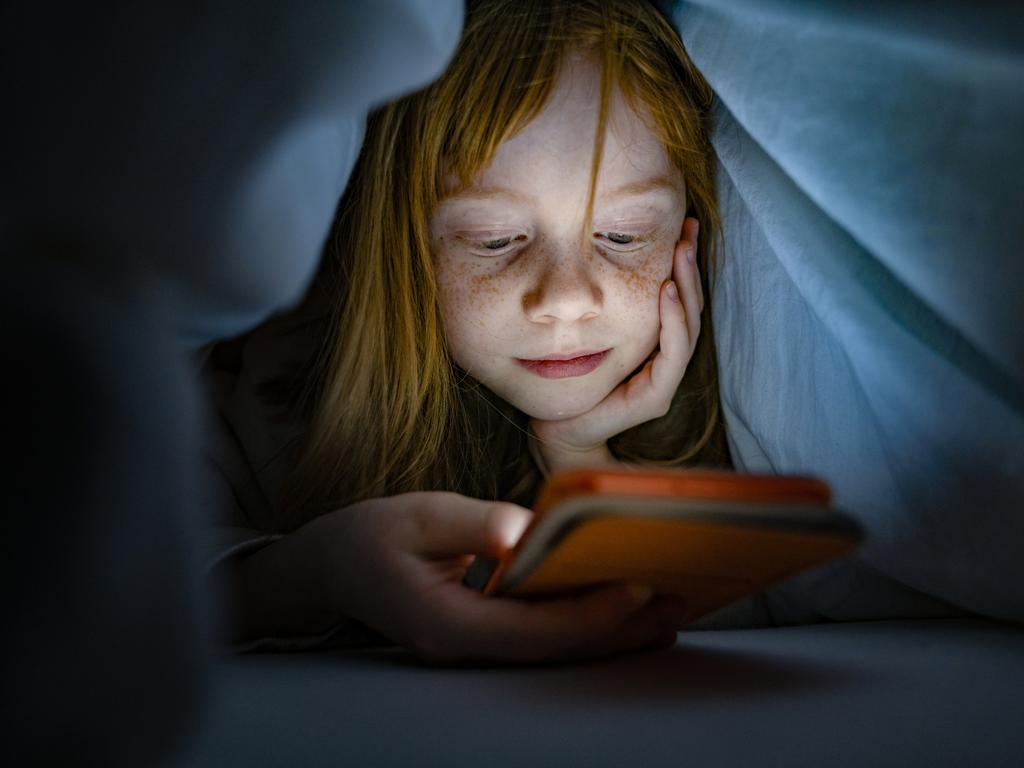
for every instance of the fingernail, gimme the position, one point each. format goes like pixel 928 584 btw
pixel 640 594
pixel 690 254
pixel 512 525
pixel 673 292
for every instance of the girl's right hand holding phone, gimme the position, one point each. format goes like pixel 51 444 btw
pixel 397 563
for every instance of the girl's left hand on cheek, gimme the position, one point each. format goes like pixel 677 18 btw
pixel 647 395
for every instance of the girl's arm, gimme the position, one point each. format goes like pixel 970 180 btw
pixel 396 564
pixel 279 591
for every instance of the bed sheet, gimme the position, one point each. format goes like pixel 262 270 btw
pixel 894 693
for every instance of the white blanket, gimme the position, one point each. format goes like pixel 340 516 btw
pixel 869 316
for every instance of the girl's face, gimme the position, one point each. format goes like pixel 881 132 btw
pixel 520 283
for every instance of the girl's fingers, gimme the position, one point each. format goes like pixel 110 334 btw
pixel 669 364
pixel 603 622
pixel 447 524
pixel 696 268
pixel 633 635
pixel 648 395
pixel 653 626
pixel 479 627
pixel 680 316
pixel 687 278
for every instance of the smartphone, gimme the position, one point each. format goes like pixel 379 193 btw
pixel 710 537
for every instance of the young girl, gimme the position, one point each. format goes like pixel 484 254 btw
pixel 514 284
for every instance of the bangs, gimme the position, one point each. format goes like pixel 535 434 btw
pixel 502 76
pixel 505 69
pixel 500 79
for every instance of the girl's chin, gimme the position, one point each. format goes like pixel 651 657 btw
pixel 548 409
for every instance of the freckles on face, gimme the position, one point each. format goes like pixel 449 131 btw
pixel 466 288
pixel 472 295
pixel 642 282
pixel 639 287
pixel 521 275
pixel 461 287
pixel 497 310
pixel 483 301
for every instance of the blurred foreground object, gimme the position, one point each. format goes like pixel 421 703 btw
pixel 169 176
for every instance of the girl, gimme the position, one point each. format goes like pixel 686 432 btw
pixel 514 284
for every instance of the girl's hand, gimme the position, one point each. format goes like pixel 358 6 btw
pixel 648 395
pixel 397 565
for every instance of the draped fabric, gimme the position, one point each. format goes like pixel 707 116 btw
pixel 869 314
pixel 169 175
pixel 203 149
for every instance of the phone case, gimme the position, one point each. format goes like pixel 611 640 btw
pixel 710 537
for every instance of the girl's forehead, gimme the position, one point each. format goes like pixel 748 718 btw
pixel 555 150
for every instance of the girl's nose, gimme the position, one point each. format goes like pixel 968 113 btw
pixel 564 291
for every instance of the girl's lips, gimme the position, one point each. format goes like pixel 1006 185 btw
pixel 564 369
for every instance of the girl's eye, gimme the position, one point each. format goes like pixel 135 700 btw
pixel 623 242
pixel 496 245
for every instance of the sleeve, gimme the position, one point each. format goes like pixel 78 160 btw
pixel 237 492
pixel 233 494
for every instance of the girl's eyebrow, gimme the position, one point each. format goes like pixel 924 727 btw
pixel 641 187
pixel 632 188
pixel 478 192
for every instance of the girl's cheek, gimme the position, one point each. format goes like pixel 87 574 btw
pixel 472 292
pixel 641 282
pixel 452 295
pixel 467 293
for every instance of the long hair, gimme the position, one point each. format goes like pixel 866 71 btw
pixel 388 411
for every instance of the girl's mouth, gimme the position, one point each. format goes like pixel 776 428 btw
pixel 564 368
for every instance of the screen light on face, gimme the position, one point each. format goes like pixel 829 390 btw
pixel 549 314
